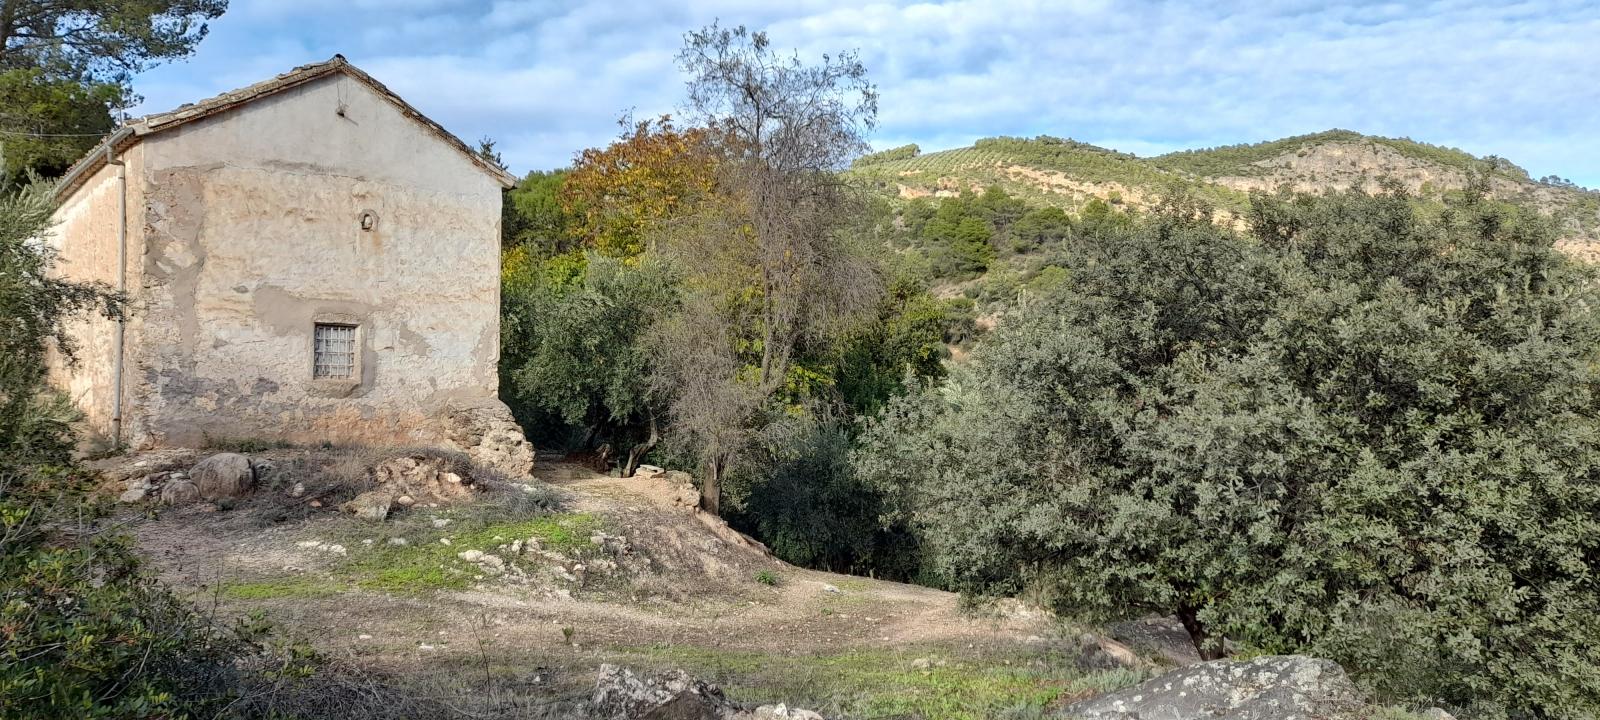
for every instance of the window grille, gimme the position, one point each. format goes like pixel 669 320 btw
pixel 334 352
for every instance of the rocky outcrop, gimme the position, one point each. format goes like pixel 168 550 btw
pixel 1275 687
pixel 490 437
pixel 224 475
pixel 620 694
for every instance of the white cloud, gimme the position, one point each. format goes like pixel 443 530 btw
pixel 548 77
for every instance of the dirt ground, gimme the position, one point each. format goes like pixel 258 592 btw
pixel 615 571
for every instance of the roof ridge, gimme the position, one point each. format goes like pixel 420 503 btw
pixel 134 129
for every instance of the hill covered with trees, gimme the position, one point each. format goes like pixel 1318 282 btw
pixel 1088 183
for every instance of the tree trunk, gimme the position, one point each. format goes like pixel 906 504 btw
pixel 711 488
pixel 1210 648
pixel 637 452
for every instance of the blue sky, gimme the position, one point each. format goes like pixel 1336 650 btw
pixel 547 78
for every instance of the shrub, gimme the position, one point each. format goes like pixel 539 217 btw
pixel 1357 430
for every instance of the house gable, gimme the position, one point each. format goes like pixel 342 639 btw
pixel 337 70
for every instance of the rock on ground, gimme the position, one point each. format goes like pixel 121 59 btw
pixel 1103 653
pixel 371 505
pixel 1275 687
pixel 179 492
pixel 224 475
pixel 422 478
pixel 619 694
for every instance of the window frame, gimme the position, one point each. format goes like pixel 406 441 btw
pixel 337 386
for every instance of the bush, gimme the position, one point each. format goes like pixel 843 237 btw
pixel 1357 430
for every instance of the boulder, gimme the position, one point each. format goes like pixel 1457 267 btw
pixel 622 695
pixel 371 505
pixel 133 495
pixel 179 492
pixel 224 475
pixel 1267 688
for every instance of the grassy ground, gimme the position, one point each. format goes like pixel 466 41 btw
pixel 958 683
pixel 424 564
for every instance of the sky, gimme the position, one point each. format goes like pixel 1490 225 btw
pixel 547 78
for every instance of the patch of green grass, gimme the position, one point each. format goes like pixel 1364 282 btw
pixel 427 565
pixel 767 577
pixel 284 587
pixel 881 684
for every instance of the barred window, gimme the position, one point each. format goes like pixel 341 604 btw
pixel 334 351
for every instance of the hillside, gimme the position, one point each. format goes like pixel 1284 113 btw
pixel 1068 174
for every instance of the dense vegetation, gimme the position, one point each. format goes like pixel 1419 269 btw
pixel 1353 425
pixel 711 294
pixel 1356 425
pixel 83 634
pixel 1358 430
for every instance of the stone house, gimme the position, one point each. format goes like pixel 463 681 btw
pixel 308 259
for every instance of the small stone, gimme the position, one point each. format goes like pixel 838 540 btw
pixel 315 503
pixel 405 501
pixel 444 541
pixel 831 589
pixel 441 522
pixel 308 543
pixel 451 478
pixel 399 541
pixel 921 663
pixel 425 647
pixel 1434 713
pixel 367 541
pixel 470 555
pixel 133 495
pixel 363 636
pixel 299 490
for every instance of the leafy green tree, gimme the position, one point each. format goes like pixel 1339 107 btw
pixel 65 65
pixel 574 350
pixel 1040 228
pixel 1360 430
pixel 960 237
pixel 534 217
pixel 906 338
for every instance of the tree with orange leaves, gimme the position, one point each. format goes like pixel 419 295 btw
pixel 653 173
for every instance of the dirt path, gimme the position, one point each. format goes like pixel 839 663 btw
pixel 686 587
